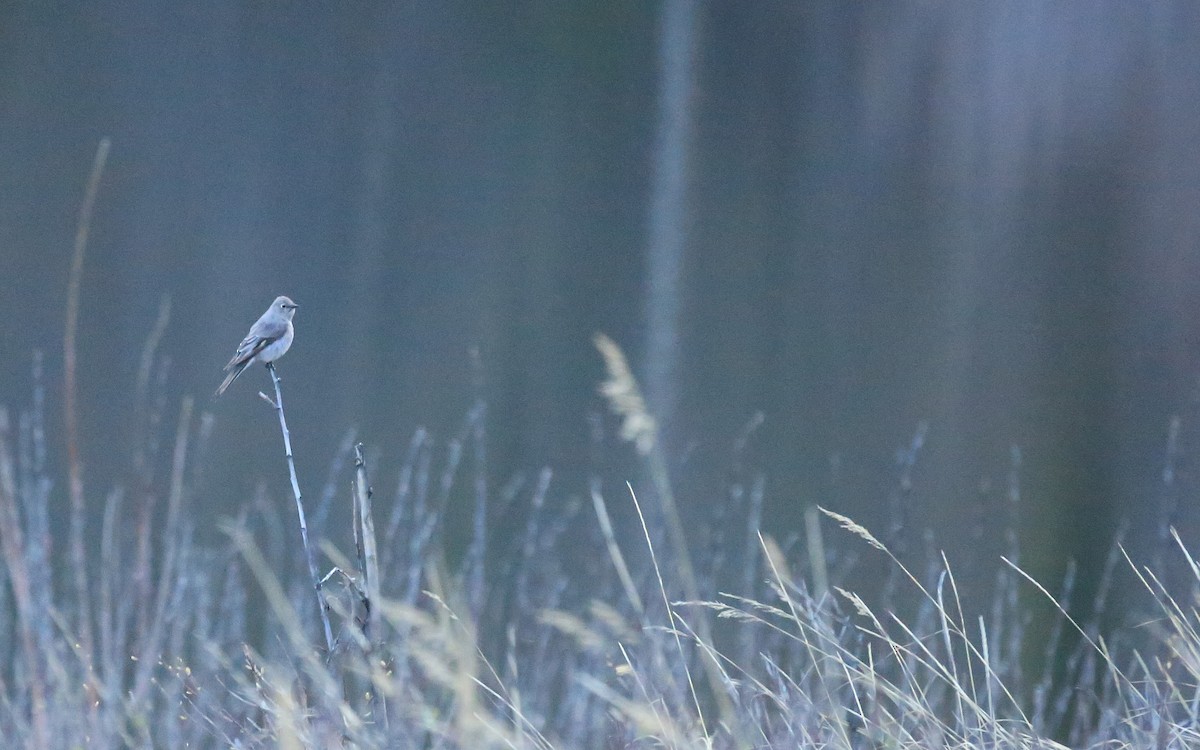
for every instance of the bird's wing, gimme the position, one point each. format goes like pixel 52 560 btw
pixel 264 332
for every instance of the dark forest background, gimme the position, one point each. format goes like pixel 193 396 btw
pixel 850 218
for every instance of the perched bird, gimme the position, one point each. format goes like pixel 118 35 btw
pixel 268 340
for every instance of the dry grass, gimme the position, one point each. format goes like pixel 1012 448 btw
pixel 582 634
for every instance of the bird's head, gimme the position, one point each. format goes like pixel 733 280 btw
pixel 285 306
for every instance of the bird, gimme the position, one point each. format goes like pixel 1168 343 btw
pixel 269 339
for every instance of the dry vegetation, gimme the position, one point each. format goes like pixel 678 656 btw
pixel 573 634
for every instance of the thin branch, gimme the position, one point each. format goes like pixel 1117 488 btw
pixel 74 470
pixel 374 625
pixel 142 389
pixel 322 604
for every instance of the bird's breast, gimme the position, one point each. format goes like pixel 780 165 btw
pixel 278 347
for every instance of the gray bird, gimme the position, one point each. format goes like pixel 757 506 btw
pixel 268 340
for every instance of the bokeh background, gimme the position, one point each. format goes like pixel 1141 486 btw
pixel 850 218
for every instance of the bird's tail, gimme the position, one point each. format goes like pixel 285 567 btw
pixel 232 376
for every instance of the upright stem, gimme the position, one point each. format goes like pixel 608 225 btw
pixel 370 559
pixel 74 470
pixel 308 553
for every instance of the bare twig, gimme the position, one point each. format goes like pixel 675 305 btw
pixel 74 470
pixel 142 389
pixel 362 498
pixel 322 604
